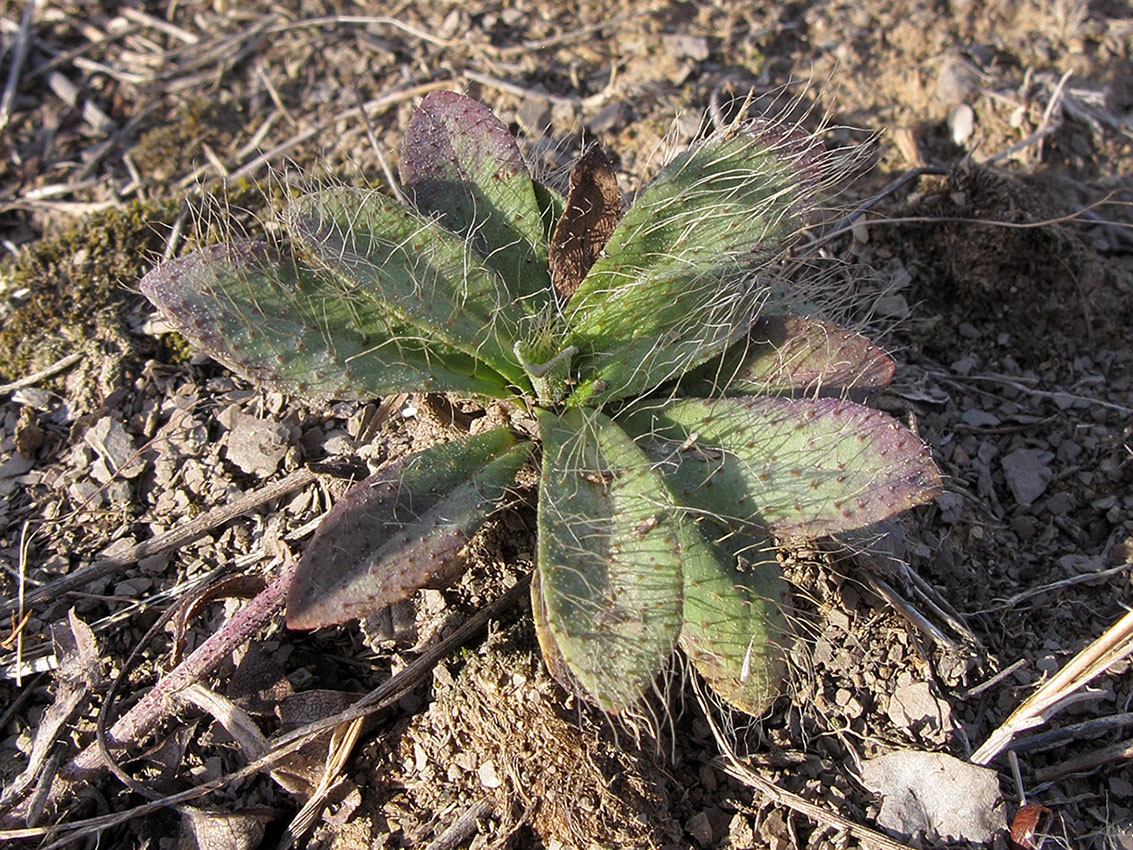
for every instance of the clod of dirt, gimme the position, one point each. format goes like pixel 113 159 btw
pixel 982 251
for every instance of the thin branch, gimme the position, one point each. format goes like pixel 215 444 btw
pixel 385 695
pixel 1046 126
pixel 521 91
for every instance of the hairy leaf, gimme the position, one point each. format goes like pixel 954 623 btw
pixel 458 160
pixel 402 529
pixel 675 284
pixel 548 646
pixel 795 355
pixel 734 630
pixel 278 322
pixel 609 557
pixel 800 467
pixel 425 275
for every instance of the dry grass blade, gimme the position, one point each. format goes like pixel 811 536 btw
pixel 342 745
pixel 35 377
pixel 1107 650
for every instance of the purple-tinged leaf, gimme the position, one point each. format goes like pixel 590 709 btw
pixel 459 161
pixel 402 529
pixel 795 355
pixel 803 468
pixel 279 323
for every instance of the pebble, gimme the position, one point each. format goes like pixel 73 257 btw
pixel 115 447
pixel 961 123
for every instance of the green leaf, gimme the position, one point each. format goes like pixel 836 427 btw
pixel 548 646
pixel 676 285
pixel 794 355
pixel 423 274
pixel 802 468
pixel 402 529
pixel 735 628
pixel 609 557
pixel 276 321
pixel 459 161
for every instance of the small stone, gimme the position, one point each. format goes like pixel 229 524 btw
pixel 257 446
pixel 1076 564
pixel 1120 788
pixel 951 507
pixel 961 123
pixel 683 46
pixel 964 365
pixel 338 443
pixel 488 776
pixel 155 564
pixel 955 82
pixel 935 795
pixel 700 828
pixel 34 397
pixel 15 466
pixel 915 706
pixel 612 116
pixel 979 418
pixel 894 306
pixel 1024 527
pixel 1027 474
pixel 1060 504
pixel 115 447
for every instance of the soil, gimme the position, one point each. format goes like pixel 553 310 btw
pixel 1001 276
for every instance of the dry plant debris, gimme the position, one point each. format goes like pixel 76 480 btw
pixel 1009 307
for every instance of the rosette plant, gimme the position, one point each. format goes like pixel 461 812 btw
pixel 692 409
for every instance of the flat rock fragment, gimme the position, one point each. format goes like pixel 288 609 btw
pixel 935 796
pixel 1028 473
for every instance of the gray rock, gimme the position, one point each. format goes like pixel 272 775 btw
pixel 1027 474
pixel 936 796
pixel 115 447
pixel 257 446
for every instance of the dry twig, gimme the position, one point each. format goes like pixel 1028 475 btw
pixel 1048 700
pixel 19 56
